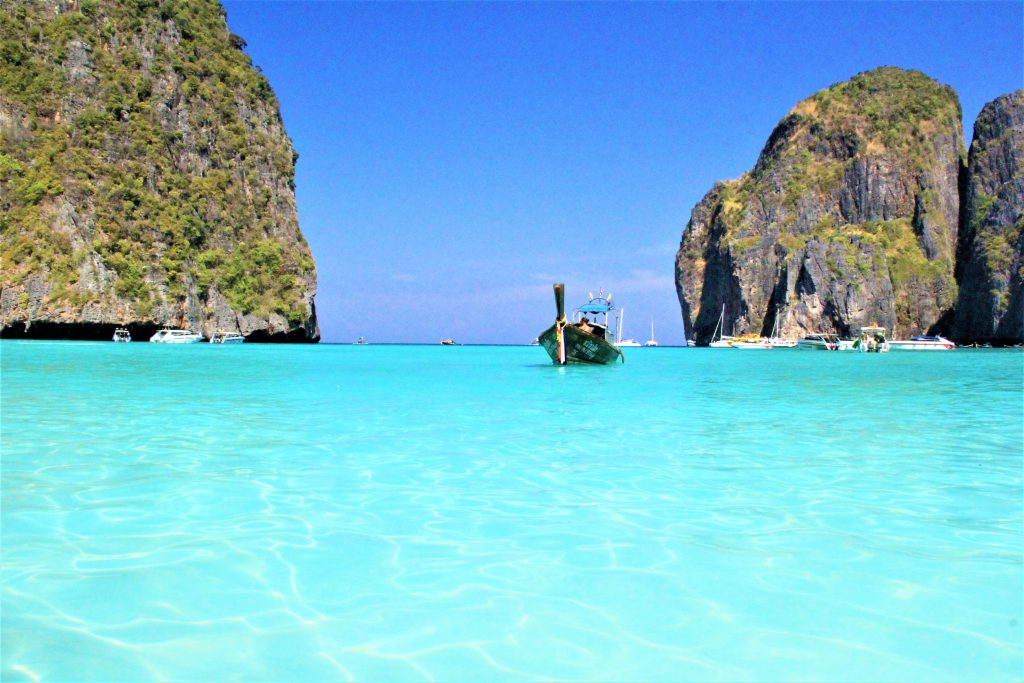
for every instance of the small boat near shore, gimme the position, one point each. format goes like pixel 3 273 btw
pixel 583 340
pixel 226 338
pixel 776 340
pixel 872 340
pixel 122 335
pixel 922 343
pixel 167 336
pixel 824 342
pixel 719 340
pixel 750 341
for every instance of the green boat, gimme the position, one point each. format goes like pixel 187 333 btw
pixel 583 340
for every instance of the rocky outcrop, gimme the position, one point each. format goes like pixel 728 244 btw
pixel 848 218
pixel 145 177
pixel 990 271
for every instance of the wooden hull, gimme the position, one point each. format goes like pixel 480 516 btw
pixel 580 347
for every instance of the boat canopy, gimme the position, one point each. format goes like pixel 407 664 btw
pixel 595 306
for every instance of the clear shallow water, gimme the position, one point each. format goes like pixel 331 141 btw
pixel 381 513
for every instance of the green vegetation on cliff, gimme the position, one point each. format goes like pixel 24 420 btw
pixel 141 149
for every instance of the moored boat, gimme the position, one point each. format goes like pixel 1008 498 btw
pixel 776 341
pixel 723 341
pixel 818 342
pixel 167 336
pixel 750 341
pixel 922 343
pixel 583 340
pixel 872 340
pixel 122 334
pixel 619 341
pixel 651 341
pixel 226 338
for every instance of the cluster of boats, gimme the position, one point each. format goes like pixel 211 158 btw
pixel 872 339
pixel 169 336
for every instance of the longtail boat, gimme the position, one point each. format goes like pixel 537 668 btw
pixel 583 340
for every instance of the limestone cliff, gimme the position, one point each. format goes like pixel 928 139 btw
pixel 849 217
pixel 990 267
pixel 145 176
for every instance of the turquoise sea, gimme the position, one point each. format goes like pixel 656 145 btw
pixel 428 513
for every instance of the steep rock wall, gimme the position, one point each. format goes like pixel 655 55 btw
pixel 145 176
pixel 990 267
pixel 849 217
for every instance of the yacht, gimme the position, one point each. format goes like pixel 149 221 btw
pixel 776 341
pixel 176 337
pixel 651 341
pixel 122 334
pixel 624 342
pixel 360 342
pixel 922 343
pixel 448 341
pixel 723 341
pixel 224 338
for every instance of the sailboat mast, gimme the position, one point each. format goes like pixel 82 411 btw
pixel 721 323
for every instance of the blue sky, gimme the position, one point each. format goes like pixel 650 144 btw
pixel 458 158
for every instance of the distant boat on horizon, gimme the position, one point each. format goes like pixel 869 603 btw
pixel 448 341
pixel 360 341
pixel 624 342
pixel 651 341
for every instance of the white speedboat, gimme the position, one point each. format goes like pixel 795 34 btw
pixel 223 338
pixel 922 343
pixel 176 337
pixel 819 342
pixel 122 334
